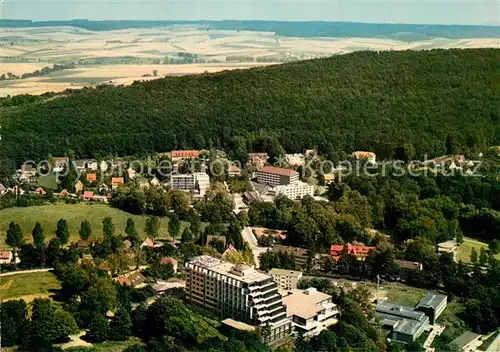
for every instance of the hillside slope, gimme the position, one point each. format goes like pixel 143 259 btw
pixel 416 100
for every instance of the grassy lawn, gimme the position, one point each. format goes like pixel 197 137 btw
pixel 405 295
pixel 49 214
pixel 28 286
pixel 463 252
pixel 114 346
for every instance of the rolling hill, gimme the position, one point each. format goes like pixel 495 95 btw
pixel 425 102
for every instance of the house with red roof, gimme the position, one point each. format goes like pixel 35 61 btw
pixel 370 156
pixel 359 251
pixel 91 177
pixel 116 181
pixel 173 261
pixel 40 191
pixel 149 242
pixel 88 195
pixel 178 155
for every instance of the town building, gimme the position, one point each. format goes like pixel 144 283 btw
pixel 310 311
pixel 60 163
pixel 432 304
pixel 81 165
pixel 467 342
pixel 132 279
pixel 173 261
pixel 88 195
pixel 359 251
pixel 116 181
pixel 5 257
pixel 406 324
pixel 131 173
pixel 258 160
pixel 40 191
pixel 370 156
pixel 92 165
pixel 234 171
pixel 3 189
pixel 238 292
pixel 149 242
pixel 286 279
pixel 408 265
pixel 295 159
pixel 275 176
pixel 91 178
pixel 296 190
pixel 329 178
pixel 198 183
pixel 448 247
pixel 300 254
pixel 178 155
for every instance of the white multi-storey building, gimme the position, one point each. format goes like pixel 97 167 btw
pixel 286 279
pixel 275 176
pixel 238 292
pixel 198 183
pixel 295 190
pixel 311 311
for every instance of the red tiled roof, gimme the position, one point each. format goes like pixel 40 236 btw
pixel 185 153
pixel 5 254
pixel 278 171
pixel 117 180
pixel 356 250
pixel 234 168
pixel 363 154
pixel 40 190
pixel 88 194
pixel 167 260
pixel 91 177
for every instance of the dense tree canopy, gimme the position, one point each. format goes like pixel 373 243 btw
pixel 344 103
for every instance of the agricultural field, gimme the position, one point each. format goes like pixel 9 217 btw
pixel 124 56
pixel 464 250
pixel 48 215
pixel 28 286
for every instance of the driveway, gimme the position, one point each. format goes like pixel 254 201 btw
pixel 249 237
pixel 10 273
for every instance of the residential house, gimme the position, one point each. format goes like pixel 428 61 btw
pixel 408 265
pixel 238 292
pixel 81 165
pixel 82 244
pixel 275 176
pixel 448 247
pixel 132 279
pixel 258 160
pixel 149 242
pixel 310 311
pixel 370 156
pixel 229 249
pixel 197 183
pixel 233 170
pixel 131 174
pixel 155 182
pixel 63 194
pixel 88 195
pixel 406 324
pixel 432 304
pixel 178 155
pixel 6 257
pixel 116 181
pixel 16 190
pixel 286 279
pixel 40 191
pixel 91 178
pixel 3 190
pixel 467 342
pixel 300 254
pixel 294 160
pixel 359 251
pixel 79 187
pixel 329 178
pixel 60 163
pixel 173 261
pixel 92 165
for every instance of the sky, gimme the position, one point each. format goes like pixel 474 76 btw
pixel 486 12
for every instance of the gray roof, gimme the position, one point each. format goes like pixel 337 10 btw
pixel 465 339
pixel 285 272
pixel 431 300
pixel 408 326
pixel 389 310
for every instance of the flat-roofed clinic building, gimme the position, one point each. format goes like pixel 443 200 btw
pixel 275 176
pixel 296 190
pixel 432 304
pixel 406 323
pixel 286 279
pixel 238 292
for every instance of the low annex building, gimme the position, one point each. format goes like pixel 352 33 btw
pixel 432 304
pixel 286 279
pixel 311 311
pixel 406 323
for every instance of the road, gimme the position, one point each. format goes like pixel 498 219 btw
pixel 249 237
pixel 10 273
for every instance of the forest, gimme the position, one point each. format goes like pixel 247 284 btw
pixel 383 102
